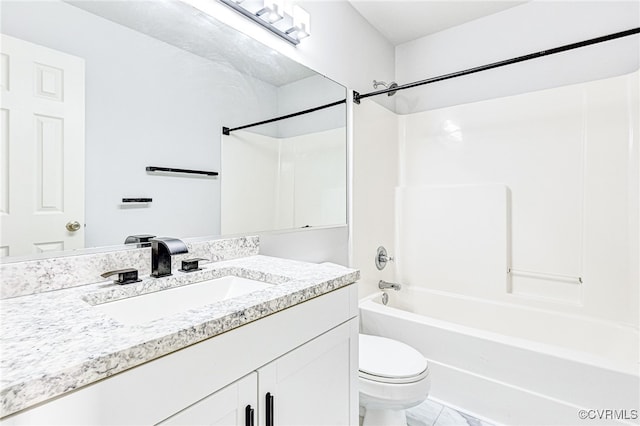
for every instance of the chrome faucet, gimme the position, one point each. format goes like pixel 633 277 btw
pixel 162 249
pixel 383 285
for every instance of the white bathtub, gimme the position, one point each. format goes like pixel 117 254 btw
pixel 515 365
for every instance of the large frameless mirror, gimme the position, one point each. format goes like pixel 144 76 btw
pixel 98 98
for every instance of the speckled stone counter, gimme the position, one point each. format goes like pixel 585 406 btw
pixel 55 273
pixel 56 341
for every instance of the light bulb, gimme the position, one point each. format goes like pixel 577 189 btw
pixel 272 10
pixel 301 22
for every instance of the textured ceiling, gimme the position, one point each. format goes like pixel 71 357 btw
pixel 401 21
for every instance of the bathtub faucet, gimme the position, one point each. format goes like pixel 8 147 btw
pixel 383 285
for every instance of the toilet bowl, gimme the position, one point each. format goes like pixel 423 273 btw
pixel 392 377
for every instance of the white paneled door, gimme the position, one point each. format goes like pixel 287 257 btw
pixel 41 149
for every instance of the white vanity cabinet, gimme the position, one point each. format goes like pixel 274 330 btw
pixel 308 386
pixel 304 356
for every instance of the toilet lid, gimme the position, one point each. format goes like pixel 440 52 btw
pixel 388 358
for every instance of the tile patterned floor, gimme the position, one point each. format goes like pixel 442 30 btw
pixel 431 413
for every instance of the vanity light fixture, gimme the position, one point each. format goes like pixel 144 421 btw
pixel 288 21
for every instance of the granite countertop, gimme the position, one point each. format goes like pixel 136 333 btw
pixel 55 342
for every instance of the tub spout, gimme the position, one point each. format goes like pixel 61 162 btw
pixel 383 285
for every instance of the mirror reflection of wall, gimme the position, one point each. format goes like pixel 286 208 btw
pixel 293 181
pixel 159 87
pixel 294 169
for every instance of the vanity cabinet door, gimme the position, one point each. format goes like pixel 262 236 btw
pixel 314 384
pixel 226 407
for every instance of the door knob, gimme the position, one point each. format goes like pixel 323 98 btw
pixel 73 226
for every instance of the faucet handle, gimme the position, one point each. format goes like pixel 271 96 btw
pixel 191 265
pixel 125 276
pixel 142 240
pixel 382 258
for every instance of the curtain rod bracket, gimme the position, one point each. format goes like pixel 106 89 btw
pixel 225 131
pixel 356 97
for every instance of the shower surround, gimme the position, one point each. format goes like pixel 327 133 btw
pixel 516 217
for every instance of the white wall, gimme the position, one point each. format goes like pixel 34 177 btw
pixel 250 172
pixel 148 104
pixel 375 176
pixel 520 30
pixel 309 245
pixel 283 183
pixel 569 159
pixel 319 161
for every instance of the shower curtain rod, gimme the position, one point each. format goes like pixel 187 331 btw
pixel 226 130
pixel 357 96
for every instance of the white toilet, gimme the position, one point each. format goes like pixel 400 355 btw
pixel 392 377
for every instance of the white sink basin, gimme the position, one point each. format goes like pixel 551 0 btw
pixel 159 304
